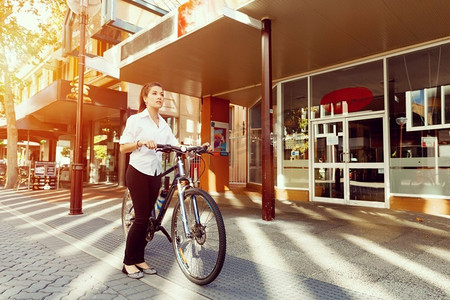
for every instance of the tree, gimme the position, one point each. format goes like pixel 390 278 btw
pixel 25 36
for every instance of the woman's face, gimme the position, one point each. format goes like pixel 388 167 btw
pixel 155 97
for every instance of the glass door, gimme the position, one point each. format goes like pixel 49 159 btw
pixel 366 180
pixel 329 161
pixel 348 161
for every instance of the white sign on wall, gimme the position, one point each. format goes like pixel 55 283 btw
pixel 428 142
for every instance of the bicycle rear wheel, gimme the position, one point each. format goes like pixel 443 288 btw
pixel 128 215
pixel 200 256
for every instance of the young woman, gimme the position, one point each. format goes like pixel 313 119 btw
pixel 142 133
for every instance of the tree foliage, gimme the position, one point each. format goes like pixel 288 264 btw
pixel 29 30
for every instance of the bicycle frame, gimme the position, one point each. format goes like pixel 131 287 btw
pixel 179 178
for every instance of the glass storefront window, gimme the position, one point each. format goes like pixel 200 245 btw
pixel 427 108
pixel 255 135
pixel 103 164
pixel 295 140
pixel 173 124
pixel 353 89
pixel 169 159
pixel 254 172
pixel 446 108
pixel 419 122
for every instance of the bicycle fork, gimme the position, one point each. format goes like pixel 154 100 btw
pixel 181 197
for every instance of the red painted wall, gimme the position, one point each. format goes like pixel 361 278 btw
pixel 216 177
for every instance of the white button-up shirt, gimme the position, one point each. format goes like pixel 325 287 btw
pixel 141 127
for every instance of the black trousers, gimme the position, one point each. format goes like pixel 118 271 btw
pixel 144 191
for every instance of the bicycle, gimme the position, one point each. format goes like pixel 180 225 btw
pixel 22 177
pixel 198 235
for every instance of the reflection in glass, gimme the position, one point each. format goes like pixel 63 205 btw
pixel 103 165
pixel 328 144
pixel 425 106
pixel 367 184
pixel 295 146
pixel 254 171
pixel 446 95
pixel 419 86
pixel 366 140
pixel 345 90
pixel 329 182
pixel 255 164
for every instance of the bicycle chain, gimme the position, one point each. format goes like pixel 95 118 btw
pixel 150 230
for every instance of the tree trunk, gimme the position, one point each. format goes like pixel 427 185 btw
pixel 11 131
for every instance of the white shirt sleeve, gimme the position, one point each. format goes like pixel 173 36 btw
pixel 129 133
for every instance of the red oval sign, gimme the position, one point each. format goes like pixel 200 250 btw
pixel 356 97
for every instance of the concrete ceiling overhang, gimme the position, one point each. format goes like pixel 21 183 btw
pixel 223 58
pixel 65 111
pixel 52 107
pixel 218 57
pixel 30 128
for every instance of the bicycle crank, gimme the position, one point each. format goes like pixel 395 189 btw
pixel 150 230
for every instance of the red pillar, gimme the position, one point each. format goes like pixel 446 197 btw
pixel 216 176
pixel 268 194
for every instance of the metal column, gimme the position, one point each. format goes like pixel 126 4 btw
pixel 268 195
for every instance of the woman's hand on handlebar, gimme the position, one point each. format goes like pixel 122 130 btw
pixel 204 148
pixel 150 144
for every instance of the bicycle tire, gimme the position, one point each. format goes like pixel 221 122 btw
pixel 200 257
pixel 127 215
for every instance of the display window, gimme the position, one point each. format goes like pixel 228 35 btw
pixel 419 110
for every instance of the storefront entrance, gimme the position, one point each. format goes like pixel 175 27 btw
pixel 349 160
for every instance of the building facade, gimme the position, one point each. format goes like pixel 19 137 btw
pixel 359 103
pixel 372 133
pixel 359 98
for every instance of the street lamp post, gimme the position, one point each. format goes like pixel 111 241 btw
pixel 83 8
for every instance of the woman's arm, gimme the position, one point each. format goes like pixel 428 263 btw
pixel 130 147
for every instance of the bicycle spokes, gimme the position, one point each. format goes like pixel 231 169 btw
pixel 201 253
pixel 128 215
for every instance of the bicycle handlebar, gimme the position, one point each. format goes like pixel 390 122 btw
pixel 181 149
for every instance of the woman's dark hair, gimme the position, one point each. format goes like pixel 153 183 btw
pixel 144 93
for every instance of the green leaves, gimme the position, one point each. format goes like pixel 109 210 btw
pixel 28 29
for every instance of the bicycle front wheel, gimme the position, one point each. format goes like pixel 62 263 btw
pixel 200 255
pixel 128 215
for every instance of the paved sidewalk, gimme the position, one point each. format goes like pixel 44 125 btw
pixel 310 251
